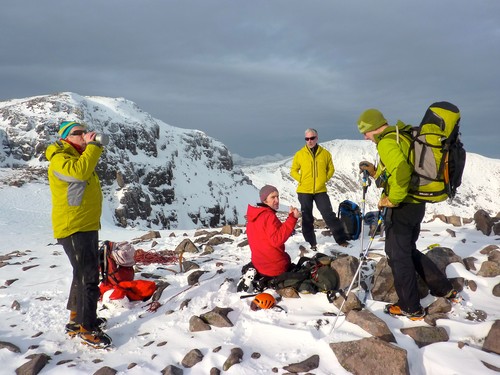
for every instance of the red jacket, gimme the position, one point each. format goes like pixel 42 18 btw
pixel 267 236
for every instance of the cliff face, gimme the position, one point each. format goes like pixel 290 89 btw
pixel 152 174
pixel 158 176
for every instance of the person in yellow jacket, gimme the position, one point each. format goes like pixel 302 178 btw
pixel 403 215
pixel 76 214
pixel 312 167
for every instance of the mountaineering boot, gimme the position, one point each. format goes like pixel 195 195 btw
pixel 345 244
pixel 73 329
pixel 395 310
pixel 453 296
pixel 417 315
pixel 96 339
pixel 314 248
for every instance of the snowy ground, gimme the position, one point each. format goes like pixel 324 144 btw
pixel 154 340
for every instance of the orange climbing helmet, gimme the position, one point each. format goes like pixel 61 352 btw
pixel 263 301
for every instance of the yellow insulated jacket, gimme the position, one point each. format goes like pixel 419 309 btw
pixel 312 171
pixel 75 188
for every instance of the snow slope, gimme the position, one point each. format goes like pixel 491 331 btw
pixel 154 340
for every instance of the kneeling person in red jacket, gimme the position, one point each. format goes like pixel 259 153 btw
pixel 267 234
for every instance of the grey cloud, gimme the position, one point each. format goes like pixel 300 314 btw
pixel 255 74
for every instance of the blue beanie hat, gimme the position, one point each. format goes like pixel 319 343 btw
pixel 66 127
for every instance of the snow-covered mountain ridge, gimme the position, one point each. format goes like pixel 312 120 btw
pixel 162 177
pixel 153 174
pixel 36 274
pixel 480 187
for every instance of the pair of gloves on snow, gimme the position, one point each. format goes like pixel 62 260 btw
pixel 370 168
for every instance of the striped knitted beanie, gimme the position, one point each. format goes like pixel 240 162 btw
pixel 66 127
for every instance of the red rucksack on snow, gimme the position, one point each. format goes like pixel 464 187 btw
pixel 116 264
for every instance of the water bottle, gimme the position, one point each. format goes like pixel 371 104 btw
pixel 103 139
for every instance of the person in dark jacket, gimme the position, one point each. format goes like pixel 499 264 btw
pixel 403 216
pixel 267 234
pixel 76 214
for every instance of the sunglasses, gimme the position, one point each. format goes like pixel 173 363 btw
pixel 310 138
pixel 78 132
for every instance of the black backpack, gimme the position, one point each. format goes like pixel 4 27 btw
pixel 350 215
pixel 310 275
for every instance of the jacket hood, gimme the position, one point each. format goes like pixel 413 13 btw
pixel 58 147
pixel 253 212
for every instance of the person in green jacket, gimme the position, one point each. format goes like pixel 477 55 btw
pixel 76 214
pixel 402 215
pixel 312 168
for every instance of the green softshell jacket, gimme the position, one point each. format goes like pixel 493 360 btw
pixel 312 172
pixel 75 188
pixel 393 146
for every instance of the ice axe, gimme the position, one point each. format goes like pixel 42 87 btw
pixel 249 295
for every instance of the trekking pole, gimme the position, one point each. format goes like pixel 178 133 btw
pixel 365 183
pixel 362 259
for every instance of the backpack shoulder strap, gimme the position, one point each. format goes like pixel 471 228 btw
pixel 404 132
pixel 105 273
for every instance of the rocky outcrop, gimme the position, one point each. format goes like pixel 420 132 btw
pixel 371 324
pixel 484 223
pixel 192 358
pixel 357 356
pixel 363 356
pixel 306 365
pixel 424 336
pixel 36 363
pixel 147 171
pixel 492 342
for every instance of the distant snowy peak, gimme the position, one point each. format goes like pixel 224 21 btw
pixel 247 162
pixel 153 174
pixel 159 176
pixel 480 186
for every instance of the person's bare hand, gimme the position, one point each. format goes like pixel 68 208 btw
pixel 295 212
pixel 89 137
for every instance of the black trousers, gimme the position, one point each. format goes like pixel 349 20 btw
pixel 81 249
pixel 402 228
pixel 325 208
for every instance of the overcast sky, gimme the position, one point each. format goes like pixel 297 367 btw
pixel 255 74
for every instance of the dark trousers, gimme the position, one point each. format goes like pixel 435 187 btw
pixel 402 228
pixel 81 249
pixel 325 208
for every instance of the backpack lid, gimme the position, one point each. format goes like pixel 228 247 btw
pixel 123 253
